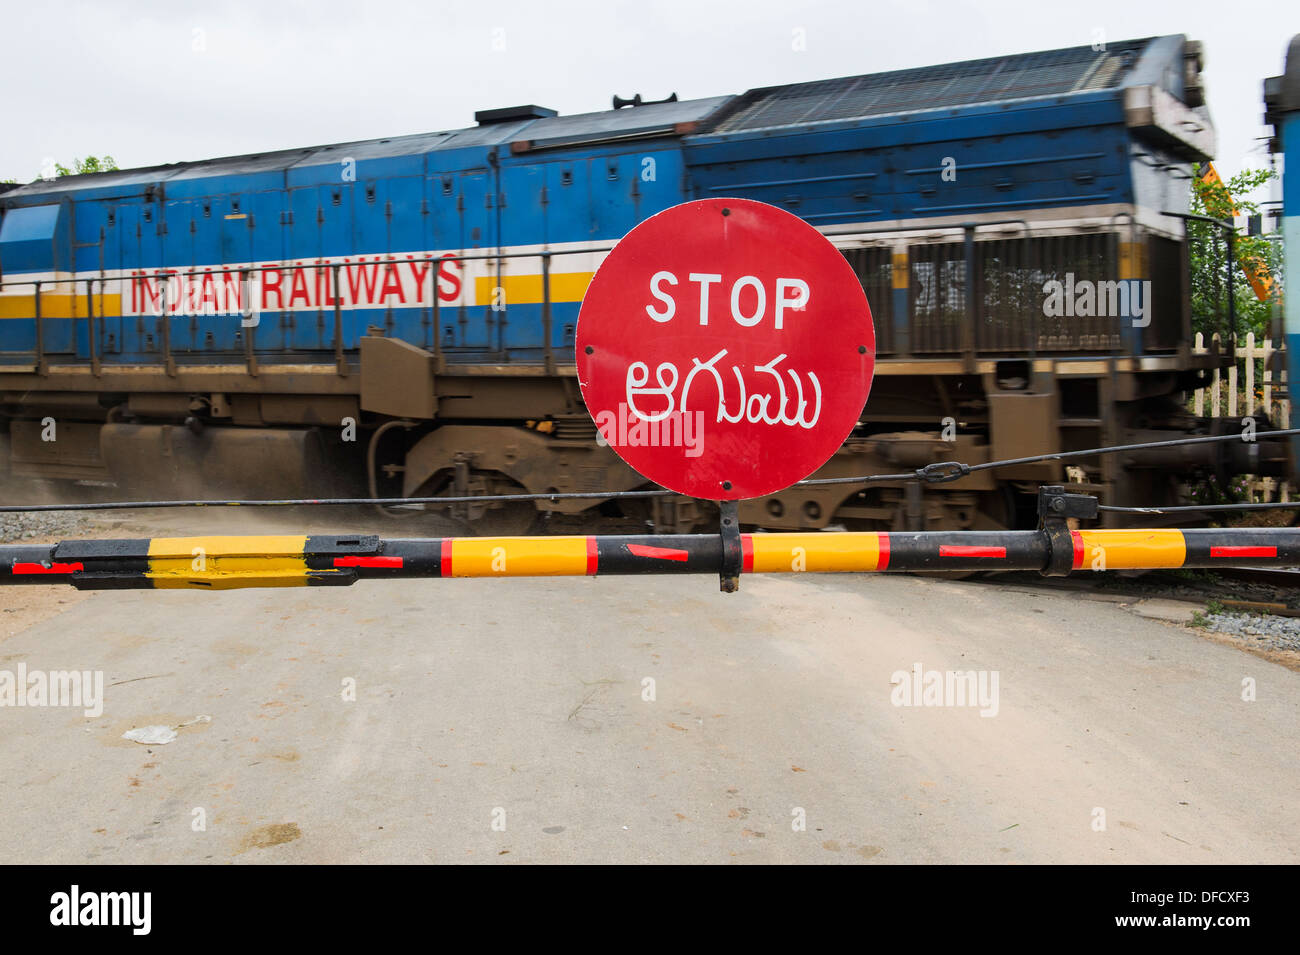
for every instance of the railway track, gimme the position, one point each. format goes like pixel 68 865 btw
pixel 1278 590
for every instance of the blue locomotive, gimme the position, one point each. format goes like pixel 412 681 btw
pixel 399 314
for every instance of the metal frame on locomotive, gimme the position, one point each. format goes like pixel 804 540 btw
pixel 477 394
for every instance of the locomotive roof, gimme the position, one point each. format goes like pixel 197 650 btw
pixel 1061 72
pixel 605 125
pixel 1053 73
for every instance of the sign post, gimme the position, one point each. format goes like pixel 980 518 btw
pixel 725 350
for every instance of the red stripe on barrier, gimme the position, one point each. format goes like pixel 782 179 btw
pixel 1243 551
pixel 961 550
pixel 352 561
pixel 21 567
pixel 882 561
pixel 747 553
pixel 661 553
pixel 1077 538
pixel 444 559
pixel 593 557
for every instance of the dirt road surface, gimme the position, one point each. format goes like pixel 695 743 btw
pixel 643 720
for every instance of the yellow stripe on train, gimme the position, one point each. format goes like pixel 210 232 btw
pixel 527 289
pixel 225 563
pixel 59 305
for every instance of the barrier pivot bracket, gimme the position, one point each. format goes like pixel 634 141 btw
pixel 1055 508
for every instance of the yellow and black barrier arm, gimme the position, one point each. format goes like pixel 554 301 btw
pixel 1056 549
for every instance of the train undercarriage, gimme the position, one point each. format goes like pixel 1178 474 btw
pixel 402 426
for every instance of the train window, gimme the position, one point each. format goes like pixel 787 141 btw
pixel 28 237
pixel 112 217
pixel 370 192
pixel 446 187
pixel 566 177
pixel 207 210
pixel 337 197
pixel 148 215
pixel 234 205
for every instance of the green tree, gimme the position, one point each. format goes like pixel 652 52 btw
pixel 80 167
pixel 1208 252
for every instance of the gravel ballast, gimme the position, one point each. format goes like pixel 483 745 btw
pixel 22 527
pixel 1262 630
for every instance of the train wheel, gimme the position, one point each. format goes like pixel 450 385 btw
pixel 489 519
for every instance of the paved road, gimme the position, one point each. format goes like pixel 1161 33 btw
pixel 522 704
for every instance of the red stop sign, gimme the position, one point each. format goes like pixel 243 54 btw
pixel 725 349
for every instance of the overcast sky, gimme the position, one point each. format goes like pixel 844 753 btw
pixel 164 81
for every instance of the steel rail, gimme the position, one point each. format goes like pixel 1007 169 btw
pixel 1197 508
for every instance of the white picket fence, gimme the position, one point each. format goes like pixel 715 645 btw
pixel 1238 394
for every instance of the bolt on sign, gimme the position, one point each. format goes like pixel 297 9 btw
pixel 725 349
